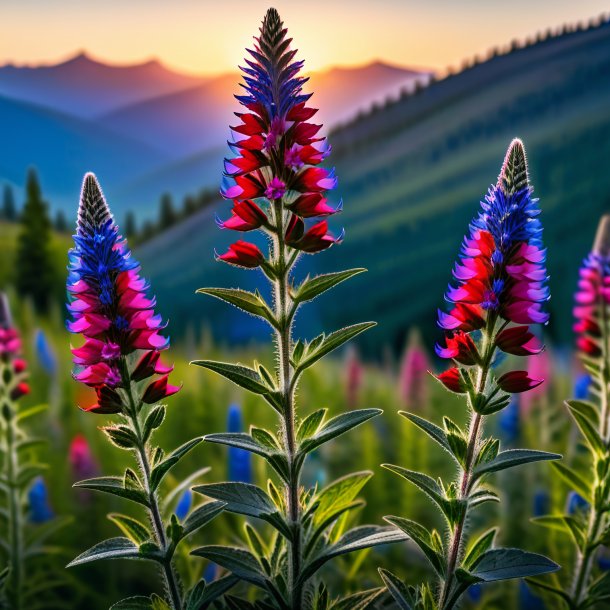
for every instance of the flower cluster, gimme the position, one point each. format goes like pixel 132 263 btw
pixel 593 295
pixel 501 277
pixel 109 307
pixel 277 153
pixel 10 350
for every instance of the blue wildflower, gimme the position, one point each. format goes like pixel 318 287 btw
pixel 239 467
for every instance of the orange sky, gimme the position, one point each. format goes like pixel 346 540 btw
pixel 208 37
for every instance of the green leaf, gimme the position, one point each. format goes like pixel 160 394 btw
pixel 202 595
pixel 240 375
pixel 337 426
pixel 581 413
pixel 120 436
pixel 339 493
pixel 479 546
pixel 363 537
pixel 250 302
pixel 311 288
pixel 153 420
pixel 554 590
pixel 426 483
pixel 424 540
pixel 503 564
pixel 31 411
pixel 38 534
pixel 29 472
pixel 310 425
pixel 573 479
pixel 364 600
pixel 113 548
pixel 116 487
pixel 512 458
pixel 398 590
pixel 132 528
pixel 246 499
pixel 435 432
pixel 183 485
pixel 324 344
pixel 239 561
pixel 201 516
pixel 138 602
pixel 170 461
pixel 566 524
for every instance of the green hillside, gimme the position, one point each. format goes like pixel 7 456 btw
pixel 411 175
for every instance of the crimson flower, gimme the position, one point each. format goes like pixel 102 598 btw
pixel 593 295
pixel 277 151
pixel 14 377
pixel 108 305
pixel 501 283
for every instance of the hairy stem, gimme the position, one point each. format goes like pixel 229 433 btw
pixel 597 519
pixel 457 535
pixel 14 511
pixel 171 578
pixel 285 376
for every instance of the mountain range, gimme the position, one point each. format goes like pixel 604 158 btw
pixel 145 129
pixel 412 173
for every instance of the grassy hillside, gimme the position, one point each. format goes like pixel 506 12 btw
pixel 412 173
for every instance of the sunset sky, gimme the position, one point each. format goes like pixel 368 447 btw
pixel 202 36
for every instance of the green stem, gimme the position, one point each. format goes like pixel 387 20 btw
pixel 15 511
pixel 283 314
pixel 457 535
pixel 597 522
pixel 171 578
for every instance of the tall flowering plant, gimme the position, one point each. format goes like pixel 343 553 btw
pixel 120 360
pixel 500 290
pixel 587 522
pixel 276 186
pixel 21 583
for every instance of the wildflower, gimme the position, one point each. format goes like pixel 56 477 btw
pixel 508 422
pixel 46 355
pixel 184 504
pixel 38 500
pixel 582 386
pixel 109 307
pixel 10 350
pixel 354 373
pixel 413 379
pixel 276 150
pixel 593 294
pixel 500 278
pixel 239 466
pixel 81 458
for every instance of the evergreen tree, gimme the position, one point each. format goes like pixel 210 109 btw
pixel 167 214
pixel 9 211
pixel 189 207
pixel 130 225
pixel 61 223
pixel 34 269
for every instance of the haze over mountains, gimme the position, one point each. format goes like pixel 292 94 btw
pixel 145 129
pixel 411 175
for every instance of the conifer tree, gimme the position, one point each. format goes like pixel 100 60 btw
pixel 34 268
pixel 167 214
pixel 9 211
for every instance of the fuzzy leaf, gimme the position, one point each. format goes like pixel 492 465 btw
pixel 482 544
pixel 423 538
pixel 201 516
pixel 364 600
pixel 170 461
pixel 573 479
pixel 113 548
pixel 363 537
pixel 240 375
pixel 153 420
pixel 311 288
pixel 339 493
pixel 239 561
pixel 580 411
pixel 324 344
pixel 310 425
pixel 398 590
pixel 250 302
pixel 503 564
pixel 116 487
pixel 566 524
pixel 432 430
pixel 246 499
pixel 204 596
pixel 183 485
pixel 132 528
pixel 512 458
pixel 337 426
pixel 138 602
